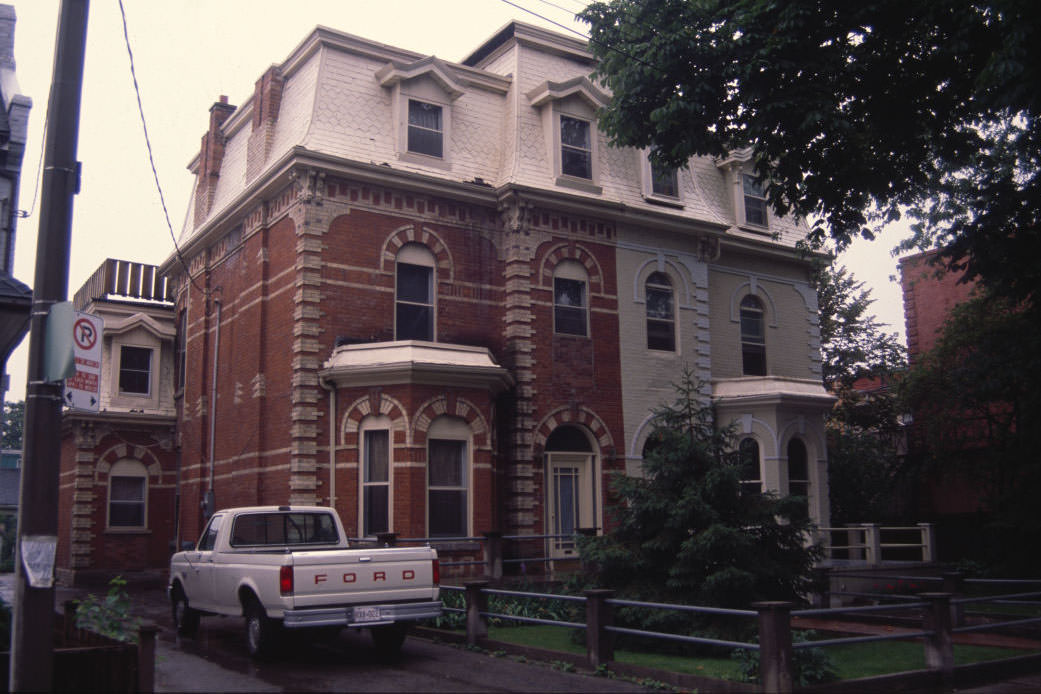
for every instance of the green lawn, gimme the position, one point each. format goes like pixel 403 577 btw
pixel 851 662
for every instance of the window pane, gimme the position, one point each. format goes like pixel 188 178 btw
pixel 569 292
pixel 415 322
pixel 753 360
pixel 574 132
pixel 376 509
pixel 755 201
pixel 377 456
pixel 127 489
pixel 660 335
pixel 659 304
pixel 426 142
pixel 570 321
pixel 576 162
pixel 424 115
pixel 447 513
pixel 664 181
pixel 446 463
pixel 425 132
pixel 126 514
pixel 135 364
pixel 575 151
pixel 414 283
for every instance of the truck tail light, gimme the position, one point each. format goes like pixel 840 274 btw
pixel 285 580
pixel 436 567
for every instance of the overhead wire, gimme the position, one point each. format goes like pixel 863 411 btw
pixel 148 145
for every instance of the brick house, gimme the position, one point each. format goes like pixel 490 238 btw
pixel 930 294
pixel 430 295
pixel 119 466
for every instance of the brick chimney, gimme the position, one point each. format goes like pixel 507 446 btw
pixel 211 153
pixel 267 99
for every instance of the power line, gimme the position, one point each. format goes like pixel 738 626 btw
pixel 148 145
pixel 24 214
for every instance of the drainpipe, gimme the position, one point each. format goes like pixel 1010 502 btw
pixel 210 501
pixel 331 388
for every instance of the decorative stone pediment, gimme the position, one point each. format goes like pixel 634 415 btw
pixel 431 67
pixel 161 331
pixel 581 87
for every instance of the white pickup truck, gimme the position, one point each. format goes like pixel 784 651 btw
pixel 291 568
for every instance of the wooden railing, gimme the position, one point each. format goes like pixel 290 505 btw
pixel 122 279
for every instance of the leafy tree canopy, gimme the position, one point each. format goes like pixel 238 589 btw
pixel 855 112
pixel 685 532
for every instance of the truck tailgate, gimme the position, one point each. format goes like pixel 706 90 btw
pixel 358 576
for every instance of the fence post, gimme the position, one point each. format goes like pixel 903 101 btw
pixel 599 614
pixel 939 645
pixel 928 531
pixel 476 603
pixel 775 646
pixel 146 657
pixel 952 583
pixel 493 554
pixel 873 540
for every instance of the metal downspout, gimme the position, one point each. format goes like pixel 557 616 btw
pixel 331 388
pixel 211 496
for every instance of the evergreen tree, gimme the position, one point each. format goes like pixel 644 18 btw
pixel 685 531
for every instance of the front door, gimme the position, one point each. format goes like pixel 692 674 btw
pixel 571 501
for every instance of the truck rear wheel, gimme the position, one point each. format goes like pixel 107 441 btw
pixel 262 633
pixel 389 639
pixel 185 619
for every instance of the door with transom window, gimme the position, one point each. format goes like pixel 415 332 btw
pixel 570 490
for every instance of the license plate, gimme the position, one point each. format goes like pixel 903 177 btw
pixel 366 614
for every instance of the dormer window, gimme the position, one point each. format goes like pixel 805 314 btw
pixel 423 94
pixel 568 112
pixel 135 370
pixel 576 150
pixel 664 181
pixel 755 201
pixel 425 128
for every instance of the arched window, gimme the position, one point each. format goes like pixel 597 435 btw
pixel 748 460
pixel 448 478
pixel 661 317
pixel 753 337
pixel 375 456
pixel 414 293
pixel 127 495
pixel 798 469
pixel 570 299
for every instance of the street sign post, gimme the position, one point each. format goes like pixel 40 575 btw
pixel 83 389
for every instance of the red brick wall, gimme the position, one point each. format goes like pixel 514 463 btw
pixel 928 300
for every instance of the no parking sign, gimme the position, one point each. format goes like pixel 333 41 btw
pixel 83 388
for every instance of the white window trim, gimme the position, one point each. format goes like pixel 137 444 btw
pixel 744 210
pixel 151 372
pixel 414 253
pixel 405 154
pixel 448 428
pixel 126 468
pixel 675 313
pixel 588 185
pixel 572 270
pixel 375 423
pixel 647 182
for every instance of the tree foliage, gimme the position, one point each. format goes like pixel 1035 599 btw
pixel 864 429
pixel 685 532
pixel 977 408
pixel 855 113
pixel 14 424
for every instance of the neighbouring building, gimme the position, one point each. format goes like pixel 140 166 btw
pixel 430 295
pixel 930 293
pixel 119 465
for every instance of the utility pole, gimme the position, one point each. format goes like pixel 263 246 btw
pixel 32 648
